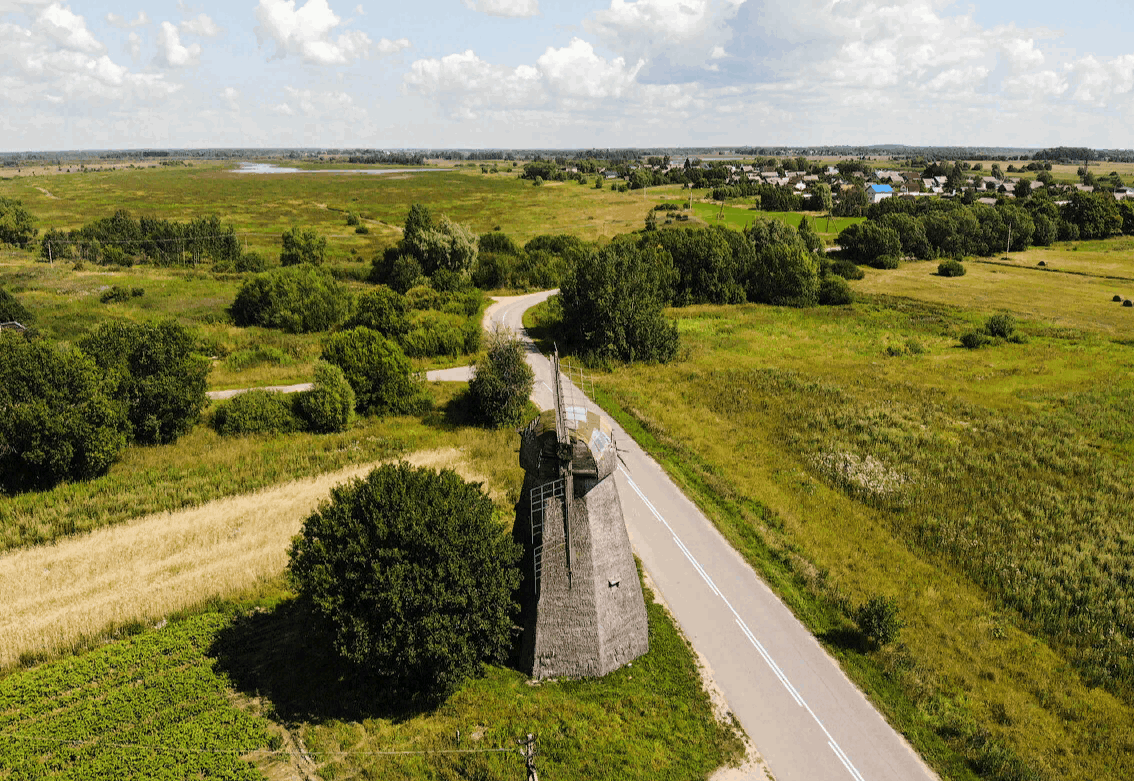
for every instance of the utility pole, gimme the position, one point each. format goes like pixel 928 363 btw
pixel 529 753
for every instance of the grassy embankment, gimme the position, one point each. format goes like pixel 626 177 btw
pixel 848 452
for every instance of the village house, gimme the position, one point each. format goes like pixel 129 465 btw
pixel 878 192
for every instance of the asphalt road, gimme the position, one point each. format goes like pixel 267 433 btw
pixel 804 715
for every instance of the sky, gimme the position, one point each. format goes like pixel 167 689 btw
pixel 553 74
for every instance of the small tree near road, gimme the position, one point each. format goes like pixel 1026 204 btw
pixel 414 574
pixel 503 382
pixel 376 368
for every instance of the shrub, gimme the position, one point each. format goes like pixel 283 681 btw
pixel 383 310
pixel 297 299
pixel 950 268
pixel 376 369
pixel 17 225
pixel 250 262
pixel 303 246
pixel 362 230
pixel 975 339
pixel 878 619
pixel 834 291
pixel 785 275
pixel 259 355
pixel 257 412
pixel 502 382
pixel 887 262
pixel 424 297
pixel 12 310
pixel 1001 326
pixel 329 406
pixel 57 422
pixel 446 281
pixel 847 270
pixel 153 369
pixel 353 219
pixel 414 574
pixel 866 241
pixel 434 335
pixel 115 294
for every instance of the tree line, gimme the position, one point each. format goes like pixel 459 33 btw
pixel 122 239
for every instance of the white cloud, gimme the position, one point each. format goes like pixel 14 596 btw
pixel 170 50
pixel 513 8
pixel 135 45
pixel 201 25
pixel 120 21
pixel 67 29
pixel 576 70
pixel 307 32
pixel 358 10
pixel 687 32
pixel 283 108
pixel 230 96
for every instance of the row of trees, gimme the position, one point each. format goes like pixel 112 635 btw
pixel 121 239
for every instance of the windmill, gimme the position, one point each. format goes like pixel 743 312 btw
pixel 582 603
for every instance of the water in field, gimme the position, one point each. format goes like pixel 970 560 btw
pixel 272 168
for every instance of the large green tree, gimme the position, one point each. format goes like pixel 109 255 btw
pixel 1095 214
pixel 376 368
pixel 503 381
pixel 154 370
pixel 612 302
pixel 303 245
pixel 17 225
pixel 298 299
pixel 415 575
pixel 56 422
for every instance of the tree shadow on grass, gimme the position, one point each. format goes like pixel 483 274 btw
pixel 287 655
pixel 847 639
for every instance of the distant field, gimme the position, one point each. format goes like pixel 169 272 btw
pixel 1066 301
pixel 738 217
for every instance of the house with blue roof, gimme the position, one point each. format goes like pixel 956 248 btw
pixel 876 192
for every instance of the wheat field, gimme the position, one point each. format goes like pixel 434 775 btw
pixel 55 596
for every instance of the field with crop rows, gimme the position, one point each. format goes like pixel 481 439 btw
pixel 150 706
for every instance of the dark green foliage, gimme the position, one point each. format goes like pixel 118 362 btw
pixel 362 229
pixel 834 291
pixel 784 275
pixel 951 268
pixel 446 280
pixel 612 304
pixel 911 235
pixel 352 219
pixel 437 244
pixel 297 299
pixel 866 241
pixel 56 422
pixel 415 575
pixel 116 293
pixel 248 262
pixel 17 226
pixel 561 244
pixel 498 242
pixel 975 339
pixel 153 369
pixel 303 245
pixel 435 334
pixel 1001 326
pixel 707 272
pixel 11 310
pixel 257 412
pixel 383 310
pixel 808 235
pixel 503 382
pixel 847 270
pixel 399 271
pixel 1095 214
pixel 878 619
pixel 886 262
pixel 329 406
pixel 121 239
pixel 377 369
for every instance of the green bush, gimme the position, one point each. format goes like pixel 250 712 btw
pixel 434 335
pixel 154 370
pixel 12 310
pixel 376 369
pixel 352 219
pixel 887 262
pixel 383 310
pixel 784 275
pixel 502 382
pixel 834 291
pixel 260 355
pixel 424 297
pixel 415 575
pixel 57 422
pixel 975 339
pixel 396 269
pixel 1001 326
pixel 950 268
pixel 17 225
pixel 303 246
pixel 498 242
pixel 297 299
pixel 116 293
pixel 329 406
pixel 847 270
pixel 879 621
pixel 257 412
pixel 362 230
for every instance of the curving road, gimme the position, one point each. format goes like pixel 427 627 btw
pixel 809 721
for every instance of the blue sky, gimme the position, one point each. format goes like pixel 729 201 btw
pixel 547 73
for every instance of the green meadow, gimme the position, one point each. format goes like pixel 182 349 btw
pixel 739 217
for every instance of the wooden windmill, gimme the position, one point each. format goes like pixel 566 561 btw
pixel 582 603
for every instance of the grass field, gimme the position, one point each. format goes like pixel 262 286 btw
pixel 985 490
pixel 738 217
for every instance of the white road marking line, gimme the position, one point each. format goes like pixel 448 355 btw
pixel 776 669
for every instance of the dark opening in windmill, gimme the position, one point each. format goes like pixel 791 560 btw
pixel 582 603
